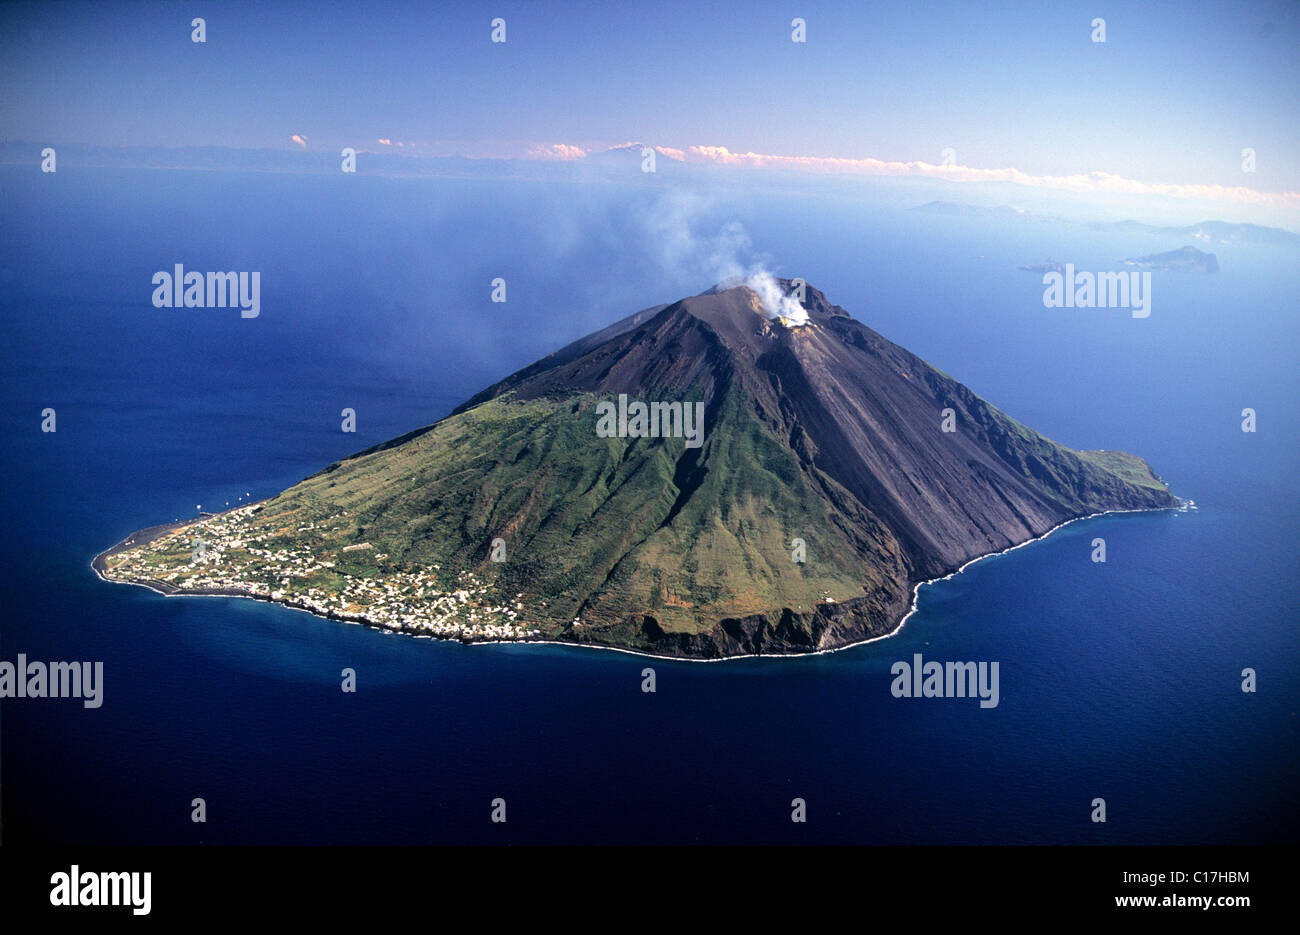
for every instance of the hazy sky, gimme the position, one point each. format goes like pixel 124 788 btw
pixel 1174 95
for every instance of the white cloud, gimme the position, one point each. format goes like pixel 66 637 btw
pixel 561 151
pixel 1097 181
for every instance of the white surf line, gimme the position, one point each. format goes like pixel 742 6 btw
pixel 916 596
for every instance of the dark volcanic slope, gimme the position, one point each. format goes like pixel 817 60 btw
pixel 862 414
pixel 825 433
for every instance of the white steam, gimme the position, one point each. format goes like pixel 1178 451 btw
pixel 775 301
pixel 675 231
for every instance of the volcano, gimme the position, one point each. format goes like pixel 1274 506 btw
pixel 833 471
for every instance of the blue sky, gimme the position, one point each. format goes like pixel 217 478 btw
pixel 1172 97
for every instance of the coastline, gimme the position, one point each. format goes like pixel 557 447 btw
pixel 154 532
pixel 150 533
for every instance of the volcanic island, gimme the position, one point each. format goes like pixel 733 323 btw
pixel 831 472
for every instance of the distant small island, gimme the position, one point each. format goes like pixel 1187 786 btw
pixel 958 209
pixel 1206 232
pixel 1186 260
pixel 1047 266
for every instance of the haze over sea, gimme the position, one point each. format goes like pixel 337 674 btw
pixel 1118 680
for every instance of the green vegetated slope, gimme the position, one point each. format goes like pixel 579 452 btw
pixel 605 530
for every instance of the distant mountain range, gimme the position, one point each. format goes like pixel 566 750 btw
pixel 1207 232
pixel 956 209
pixel 1210 232
pixel 832 472
pixel 374 158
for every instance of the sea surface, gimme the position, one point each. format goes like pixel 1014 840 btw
pixel 1119 680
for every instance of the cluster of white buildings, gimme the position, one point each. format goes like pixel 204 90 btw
pixel 225 553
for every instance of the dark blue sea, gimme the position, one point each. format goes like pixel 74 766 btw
pixel 1119 680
